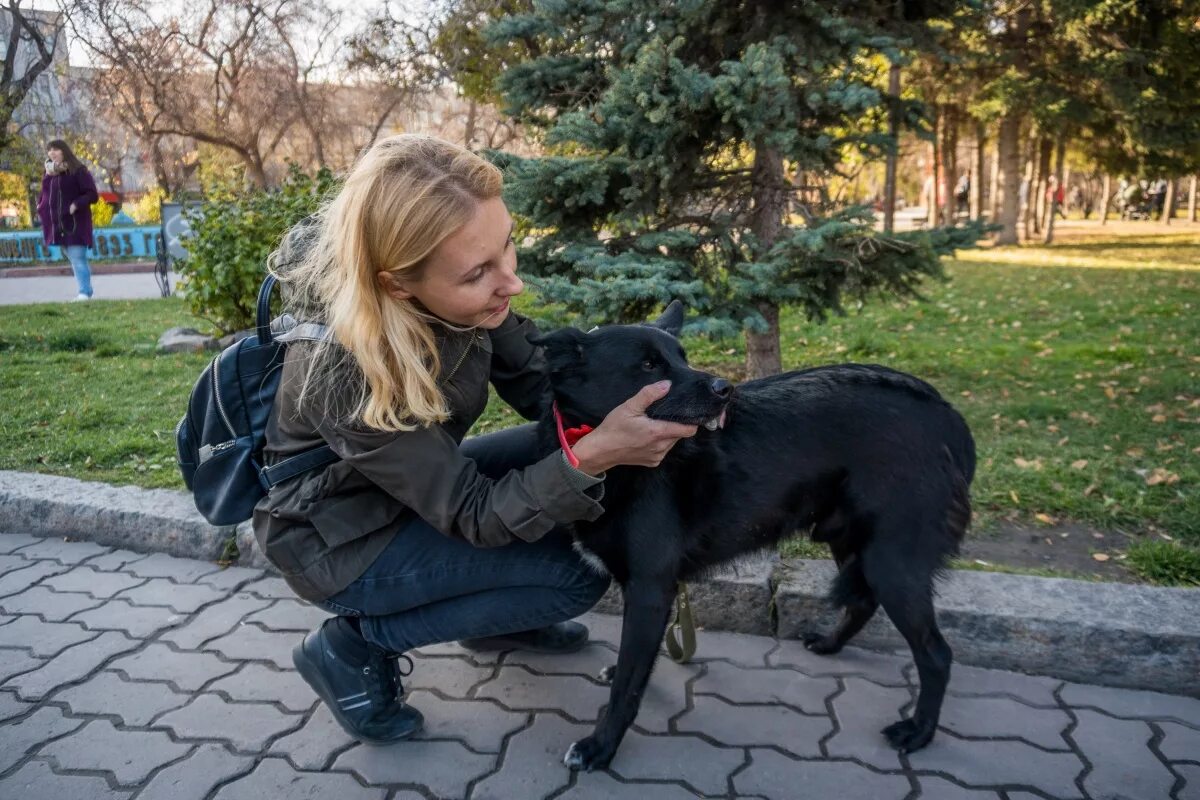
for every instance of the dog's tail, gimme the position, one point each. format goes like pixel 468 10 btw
pixel 958 509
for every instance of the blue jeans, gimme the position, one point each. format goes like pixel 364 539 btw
pixel 427 588
pixel 77 255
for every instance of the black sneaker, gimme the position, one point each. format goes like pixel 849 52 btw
pixel 561 637
pixel 359 682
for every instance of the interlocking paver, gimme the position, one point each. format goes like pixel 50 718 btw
pixel 11 563
pixel 161 565
pixel 1179 743
pixel 602 786
pixel 43 639
pixel 197 775
pixel 588 661
pixel 290 615
pixel 517 688
pixel 481 725
pixel 129 755
pixel 745 651
pixel 314 745
pixel 1130 703
pixel 692 760
pixel 13 541
pixel 188 671
pixel 183 597
pixel 983 763
pixel 14 662
pixel 886 670
pixel 452 650
pixel 786 686
pixel 1122 766
pixel 757 725
pixel 91 581
pixel 274 778
pixel 63 551
pixel 115 559
pixel 970 681
pixel 446 768
pixel 18 580
pixel 270 588
pixel 46 603
pixel 11 707
pixel 453 677
pixel 665 697
pixel 257 682
pixel 1191 775
pixel 778 777
pixel 70 665
pixel 247 726
pixel 998 717
pixel 140 622
pixel 21 736
pixel 36 781
pixel 229 578
pixel 215 620
pixel 933 788
pixel 533 761
pixel 863 710
pixel 136 703
pixel 251 643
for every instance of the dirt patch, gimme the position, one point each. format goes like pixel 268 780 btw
pixel 1068 549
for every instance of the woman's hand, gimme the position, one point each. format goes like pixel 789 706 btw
pixel 628 436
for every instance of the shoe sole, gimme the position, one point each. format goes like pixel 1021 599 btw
pixel 313 677
pixel 509 644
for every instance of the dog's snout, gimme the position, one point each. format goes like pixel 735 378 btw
pixel 722 388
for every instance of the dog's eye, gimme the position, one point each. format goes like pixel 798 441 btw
pixel 649 365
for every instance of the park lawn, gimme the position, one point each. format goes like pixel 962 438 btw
pixel 1076 366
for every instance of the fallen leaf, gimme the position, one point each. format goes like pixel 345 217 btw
pixel 1044 518
pixel 1160 475
pixel 1110 393
pixel 1159 418
pixel 1100 556
pixel 1015 497
pixel 1090 489
pixel 1080 464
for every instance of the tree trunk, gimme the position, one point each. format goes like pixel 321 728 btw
pixel 977 195
pixel 889 175
pixel 949 163
pixel 1030 205
pixel 769 192
pixel 994 191
pixel 1044 163
pixel 1059 157
pixel 1008 156
pixel 935 149
pixel 469 134
pixel 1169 202
pixel 1192 201
pixel 1106 196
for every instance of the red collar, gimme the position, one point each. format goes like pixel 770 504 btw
pixel 570 436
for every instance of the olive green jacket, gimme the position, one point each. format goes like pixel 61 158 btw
pixel 323 528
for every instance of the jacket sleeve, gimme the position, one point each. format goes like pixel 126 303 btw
pixel 87 189
pixel 424 470
pixel 519 370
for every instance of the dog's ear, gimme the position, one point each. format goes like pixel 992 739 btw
pixel 671 320
pixel 563 347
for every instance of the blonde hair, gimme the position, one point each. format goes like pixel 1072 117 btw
pixel 402 198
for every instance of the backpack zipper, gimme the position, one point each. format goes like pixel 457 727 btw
pixel 221 407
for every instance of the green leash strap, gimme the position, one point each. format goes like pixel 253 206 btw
pixel 682 625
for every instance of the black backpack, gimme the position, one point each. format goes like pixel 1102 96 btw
pixel 220 439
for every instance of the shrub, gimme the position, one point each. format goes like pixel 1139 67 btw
pixel 230 240
pixel 102 214
pixel 148 210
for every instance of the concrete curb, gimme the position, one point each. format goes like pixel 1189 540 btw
pixel 1131 636
pixel 96 268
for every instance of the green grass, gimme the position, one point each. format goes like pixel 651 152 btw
pixel 1167 563
pixel 1076 366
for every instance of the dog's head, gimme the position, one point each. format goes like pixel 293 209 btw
pixel 593 373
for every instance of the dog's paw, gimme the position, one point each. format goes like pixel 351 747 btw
pixel 910 735
pixel 820 644
pixel 587 754
pixel 606 674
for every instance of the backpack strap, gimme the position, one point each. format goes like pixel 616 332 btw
pixel 295 465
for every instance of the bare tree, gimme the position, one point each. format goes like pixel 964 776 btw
pixel 32 37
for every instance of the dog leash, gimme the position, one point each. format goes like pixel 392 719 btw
pixel 681 633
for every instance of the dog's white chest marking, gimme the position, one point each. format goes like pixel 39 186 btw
pixel 589 558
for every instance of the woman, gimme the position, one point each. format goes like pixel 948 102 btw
pixel 415 537
pixel 65 210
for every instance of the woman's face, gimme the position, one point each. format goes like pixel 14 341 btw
pixel 468 278
pixel 55 155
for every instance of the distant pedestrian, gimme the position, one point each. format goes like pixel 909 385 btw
pixel 65 210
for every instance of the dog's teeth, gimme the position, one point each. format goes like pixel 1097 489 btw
pixel 712 423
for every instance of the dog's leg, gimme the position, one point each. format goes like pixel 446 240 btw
pixel 914 617
pixel 851 591
pixel 647 609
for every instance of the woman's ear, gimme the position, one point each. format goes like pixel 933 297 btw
pixel 393 287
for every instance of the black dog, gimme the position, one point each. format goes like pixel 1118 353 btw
pixel 871 461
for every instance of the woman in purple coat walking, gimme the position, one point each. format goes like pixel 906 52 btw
pixel 65 210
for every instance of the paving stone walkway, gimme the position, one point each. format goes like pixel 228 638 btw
pixel 125 675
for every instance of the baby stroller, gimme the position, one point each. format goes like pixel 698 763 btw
pixel 1134 203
